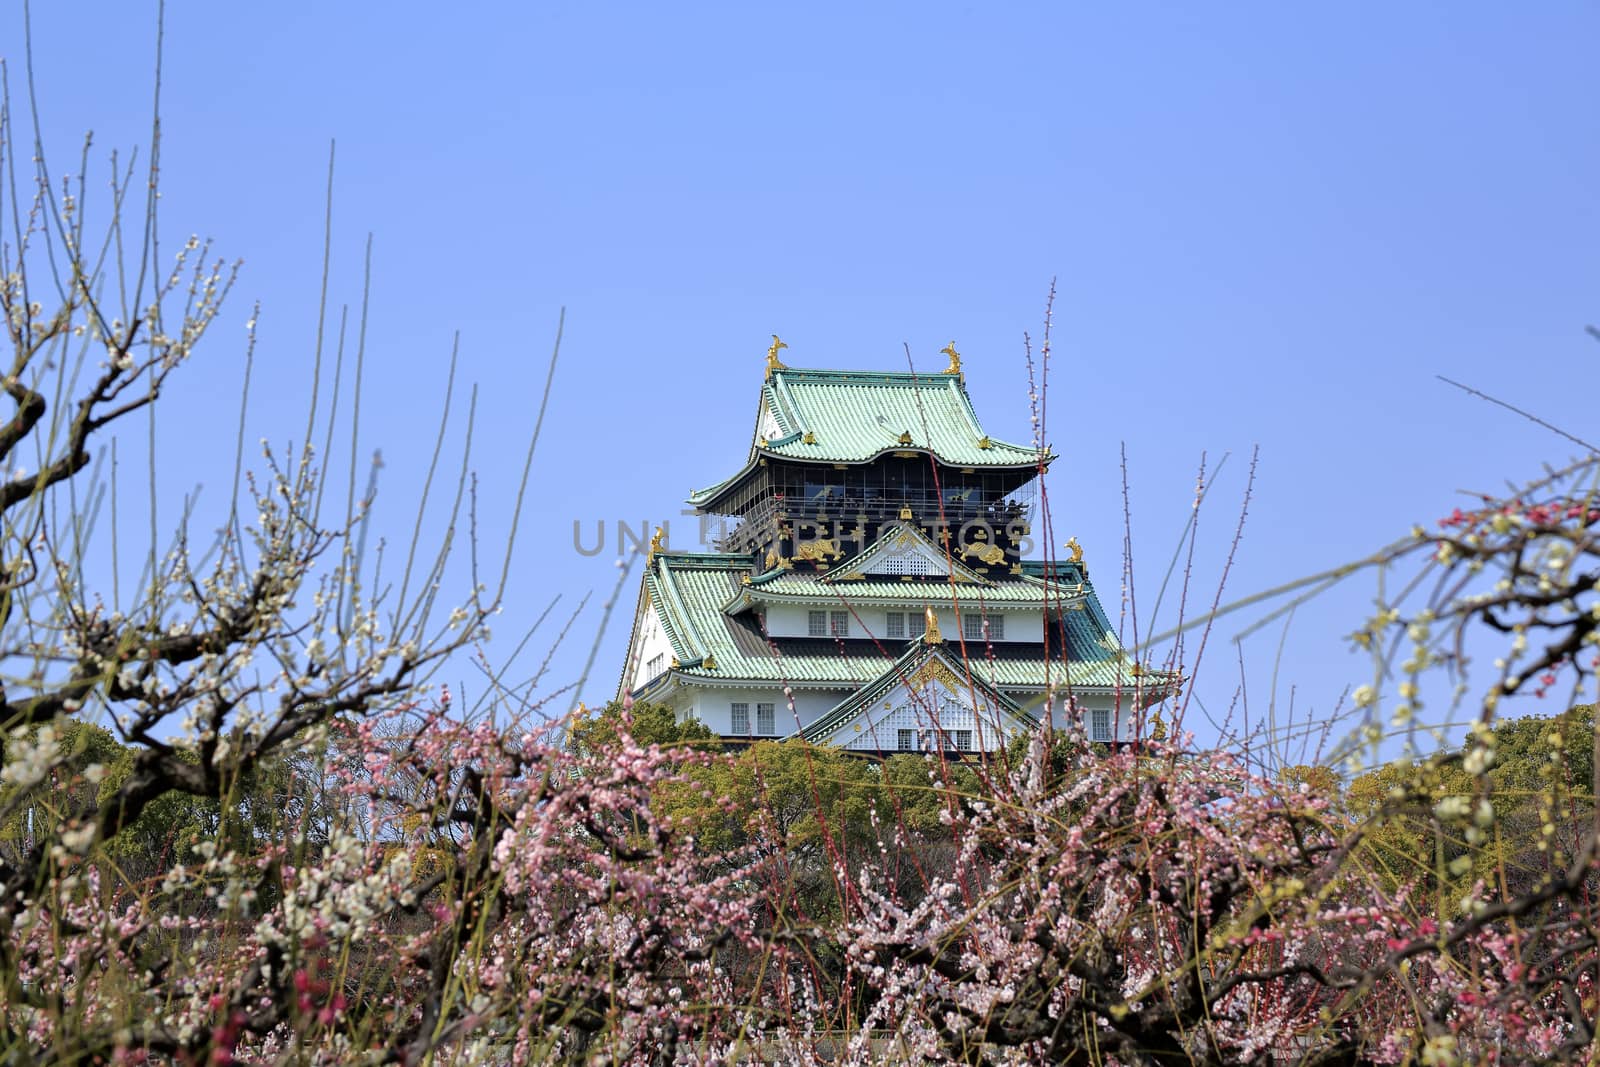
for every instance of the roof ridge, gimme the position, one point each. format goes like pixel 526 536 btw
pixel 857 372
pixel 741 558
pixel 902 670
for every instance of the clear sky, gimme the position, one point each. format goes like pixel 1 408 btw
pixel 1268 224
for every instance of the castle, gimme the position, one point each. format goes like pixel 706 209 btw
pixel 872 592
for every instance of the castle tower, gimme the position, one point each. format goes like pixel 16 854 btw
pixel 870 591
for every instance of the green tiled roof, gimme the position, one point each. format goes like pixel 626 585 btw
pixel 833 416
pixel 690 591
pixel 901 669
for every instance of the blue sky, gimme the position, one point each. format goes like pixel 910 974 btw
pixel 1269 225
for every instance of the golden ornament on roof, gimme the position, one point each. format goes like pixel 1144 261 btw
pixel 931 635
pixel 655 543
pixel 955 358
pixel 990 554
pixel 817 550
pixel 772 356
pixel 1076 549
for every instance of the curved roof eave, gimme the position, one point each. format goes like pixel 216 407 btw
pixel 701 498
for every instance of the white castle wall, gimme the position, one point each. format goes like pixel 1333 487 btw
pixel 869 620
pixel 713 707
pixel 649 642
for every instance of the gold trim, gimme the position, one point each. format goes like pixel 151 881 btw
pixel 935 671
pixel 772 357
pixel 905 438
pixel 809 439
pixel 984 443
pixel 990 554
pixel 709 663
pixel 955 358
pixel 818 550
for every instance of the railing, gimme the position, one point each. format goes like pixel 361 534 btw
pixel 844 507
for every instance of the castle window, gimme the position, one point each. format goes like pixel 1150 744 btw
pixel 1100 724
pixel 817 623
pixel 906 741
pixel 904 624
pixel 973 626
pixel 655 665
pixel 963 739
pixel 766 721
pixel 841 624
pixel 740 719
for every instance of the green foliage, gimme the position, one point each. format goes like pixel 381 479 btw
pixel 92 769
pixel 924 793
pixel 1061 758
pixel 782 797
pixel 26 812
pixel 650 724
pixel 1311 778
pixel 1540 786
